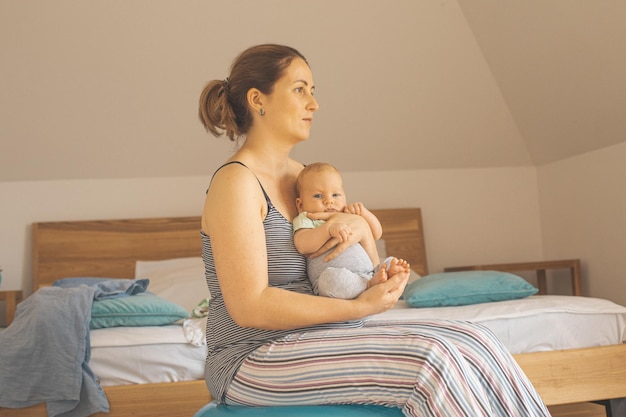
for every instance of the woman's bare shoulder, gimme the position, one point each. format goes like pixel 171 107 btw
pixel 231 173
pixel 234 194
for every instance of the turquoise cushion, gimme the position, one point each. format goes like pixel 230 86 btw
pixel 467 287
pixel 136 310
pixel 355 410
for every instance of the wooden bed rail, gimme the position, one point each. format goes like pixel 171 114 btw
pixel 140 400
pixel 540 268
pixel 576 375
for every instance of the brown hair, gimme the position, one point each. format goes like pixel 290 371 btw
pixel 224 104
pixel 313 168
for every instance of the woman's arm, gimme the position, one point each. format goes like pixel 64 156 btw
pixel 361 233
pixel 233 217
pixel 308 241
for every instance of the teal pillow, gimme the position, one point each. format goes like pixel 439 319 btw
pixel 465 288
pixel 351 410
pixel 136 310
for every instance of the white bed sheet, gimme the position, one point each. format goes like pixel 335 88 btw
pixel 533 324
pixel 137 355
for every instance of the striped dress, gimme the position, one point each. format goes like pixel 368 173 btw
pixel 229 344
pixel 427 368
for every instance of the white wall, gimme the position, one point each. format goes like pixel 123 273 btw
pixel 474 215
pixel 25 202
pixel 583 215
pixel 470 216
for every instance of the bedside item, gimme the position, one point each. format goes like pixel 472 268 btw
pixel 11 299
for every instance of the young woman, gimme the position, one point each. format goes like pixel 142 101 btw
pixel 271 341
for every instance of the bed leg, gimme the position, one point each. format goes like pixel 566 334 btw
pixel 615 407
pixel 607 406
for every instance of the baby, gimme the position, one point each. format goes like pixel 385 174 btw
pixel 320 189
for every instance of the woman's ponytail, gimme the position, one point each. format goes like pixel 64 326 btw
pixel 215 110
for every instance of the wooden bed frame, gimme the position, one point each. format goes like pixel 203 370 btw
pixel 110 248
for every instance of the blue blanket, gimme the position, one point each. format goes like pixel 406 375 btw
pixel 44 353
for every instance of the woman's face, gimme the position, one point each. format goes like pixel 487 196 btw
pixel 289 108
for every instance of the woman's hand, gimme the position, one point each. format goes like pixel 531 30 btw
pixel 359 229
pixel 384 295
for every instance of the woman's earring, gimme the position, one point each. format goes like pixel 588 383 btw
pixel 262 112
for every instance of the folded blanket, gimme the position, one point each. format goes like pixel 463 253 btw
pixel 106 288
pixel 44 353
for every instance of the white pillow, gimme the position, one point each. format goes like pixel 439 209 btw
pixel 382 254
pixel 179 280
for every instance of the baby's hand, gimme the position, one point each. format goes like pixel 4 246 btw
pixel 339 230
pixel 355 208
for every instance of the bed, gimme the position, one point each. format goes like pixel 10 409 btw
pixel 593 371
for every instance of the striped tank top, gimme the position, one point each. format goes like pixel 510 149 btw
pixel 229 344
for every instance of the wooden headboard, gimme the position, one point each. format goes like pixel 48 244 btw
pixel 403 234
pixel 110 248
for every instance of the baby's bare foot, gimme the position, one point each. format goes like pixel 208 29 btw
pixel 379 277
pixel 398 265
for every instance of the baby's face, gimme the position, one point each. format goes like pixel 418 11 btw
pixel 321 191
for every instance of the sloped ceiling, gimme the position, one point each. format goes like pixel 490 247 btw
pixel 561 67
pixel 110 89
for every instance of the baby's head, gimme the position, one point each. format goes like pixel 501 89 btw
pixel 320 188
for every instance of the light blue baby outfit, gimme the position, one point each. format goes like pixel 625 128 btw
pixel 346 276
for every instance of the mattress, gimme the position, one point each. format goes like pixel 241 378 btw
pixel 140 355
pixel 173 353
